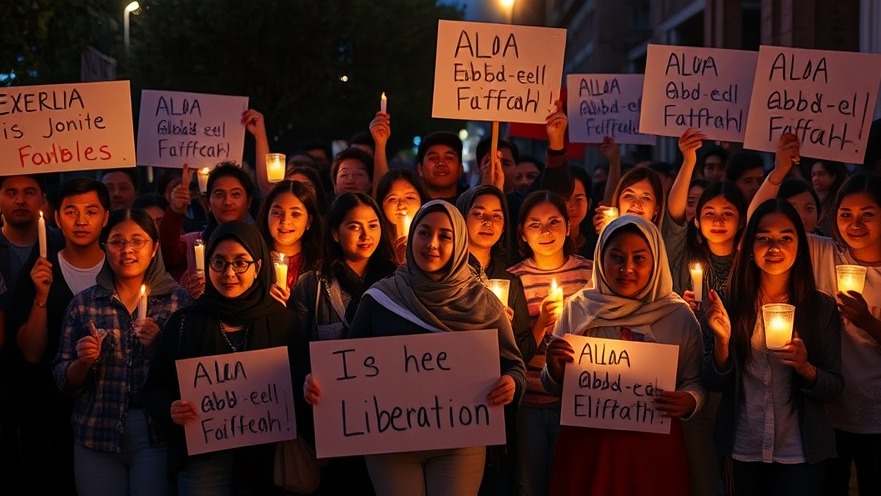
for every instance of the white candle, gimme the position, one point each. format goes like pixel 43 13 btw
pixel 850 278
pixel 142 304
pixel 199 252
pixel 281 270
pixel 383 103
pixel 202 177
pixel 404 226
pixel 41 234
pixel 609 214
pixel 275 167
pixel 500 287
pixel 777 318
pixel 556 292
pixel 697 282
pixel 150 174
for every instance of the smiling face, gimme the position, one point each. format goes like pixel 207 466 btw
pixel 485 221
pixel 545 230
pixel 81 218
pixel 352 176
pixel 776 244
pixel 128 260
pixel 639 199
pixel 577 204
pixel 402 199
pixel 719 221
pixel 227 282
pixel 359 233
pixel 859 222
pixel 433 243
pixel 627 264
pixel 806 207
pixel 440 168
pixel 228 200
pixel 288 221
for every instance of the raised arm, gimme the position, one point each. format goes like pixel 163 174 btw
pixel 689 142
pixel 255 125
pixel 381 130
pixel 786 155
pixel 612 152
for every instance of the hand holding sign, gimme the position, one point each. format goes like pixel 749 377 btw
pixel 311 391
pixel 559 353
pixel 254 123
pixel 675 404
pixel 690 141
pixel 503 392
pixel 88 348
pixel 787 151
pixel 182 412
pixel 180 195
pixel 556 125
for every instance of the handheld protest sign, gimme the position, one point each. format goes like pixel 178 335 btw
pixel 242 399
pixel 825 98
pixel 704 88
pixel 406 393
pixel 612 382
pixel 601 105
pixel 66 127
pixel 497 72
pixel 177 127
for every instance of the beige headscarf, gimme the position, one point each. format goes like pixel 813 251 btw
pixel 600 306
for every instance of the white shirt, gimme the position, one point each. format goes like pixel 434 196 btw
pixel 78 279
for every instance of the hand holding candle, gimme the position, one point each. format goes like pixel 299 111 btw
pixel 199 252
pixel 778 319
pixel 142 305
pixel 383 103
pixel 609 214
pixel 501 288
pixel 281 270
pixel 404 225
pixel 202 177
pixel 850 278
pixel 556 292
pixel 41 233
pixel 697 282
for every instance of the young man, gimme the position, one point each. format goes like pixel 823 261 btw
pixel 439 164
pixel 122 184
pixel 21 200
pixel 510 158
pixel 352 172
pixel 41 304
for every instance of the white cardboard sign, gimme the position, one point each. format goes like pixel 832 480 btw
pixel 241 398
pixel 825 98
pixel 406 393
pixel 704 88
pixel 611 384
pixel 195 128
pixel 66 127
pixel 601 105
pixel 497 72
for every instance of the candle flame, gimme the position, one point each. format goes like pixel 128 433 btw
pixel 143 289
pixel 554 285
pixel 383 95
pixel 205 170
pixel 697 268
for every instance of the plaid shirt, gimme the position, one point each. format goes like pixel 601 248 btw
pixel 115 381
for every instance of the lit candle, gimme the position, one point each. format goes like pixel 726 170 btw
pixel 778 319
pixel 556 292
pixel 199 252
pixel 281 270
pixel 275 167
pixel 697 282
pixel 41 234
pixel 404 226
pixel 850 278
pixel 150 174
pixel 500 287
pixel 609 214
pixel 383 103
pixel 142 305
pixel 202 177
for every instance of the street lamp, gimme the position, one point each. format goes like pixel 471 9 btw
pixel 131 7
pixel 508 5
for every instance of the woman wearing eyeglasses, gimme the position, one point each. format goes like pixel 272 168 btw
pixel 236 314
pixel 103 358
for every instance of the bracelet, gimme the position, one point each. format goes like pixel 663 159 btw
pixel 41 305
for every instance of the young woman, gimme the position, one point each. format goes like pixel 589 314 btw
pixel 400 195
pixel 632 299
pixel 826 178
pixel 772 423
pixel 855 415
pixel 290 223
pixel 578 205
pixel 104 356
pixel 543 228
pixel 310 179
pixel 639 192
pixel 805 201
pixel 235 314
pixel 695 189
pixel 438 289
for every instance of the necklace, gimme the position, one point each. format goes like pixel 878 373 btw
pixel 240 337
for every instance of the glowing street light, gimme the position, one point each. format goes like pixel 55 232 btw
pixel 126 31
pixel 508 5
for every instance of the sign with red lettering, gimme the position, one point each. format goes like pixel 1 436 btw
pixel 175 128
pixel 66 127
pixel 601 105
pixel 825 98
pixel 704 88
pixel 612 382
pixel 241 399
pixel 497 72
pixel 406 393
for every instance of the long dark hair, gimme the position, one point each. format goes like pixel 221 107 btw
pixel 311 240
pixel 746 282
pixel 138 216
pixel 697 250
pixel 385 185
pixel 536 198
pixel 382 259
pixel 869 184
pixel 499 250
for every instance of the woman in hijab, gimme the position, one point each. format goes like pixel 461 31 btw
pixel 632 299
pixel 235 314
pixel 435 291
pixel 103 358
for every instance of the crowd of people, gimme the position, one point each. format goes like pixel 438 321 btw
pixel 91 401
